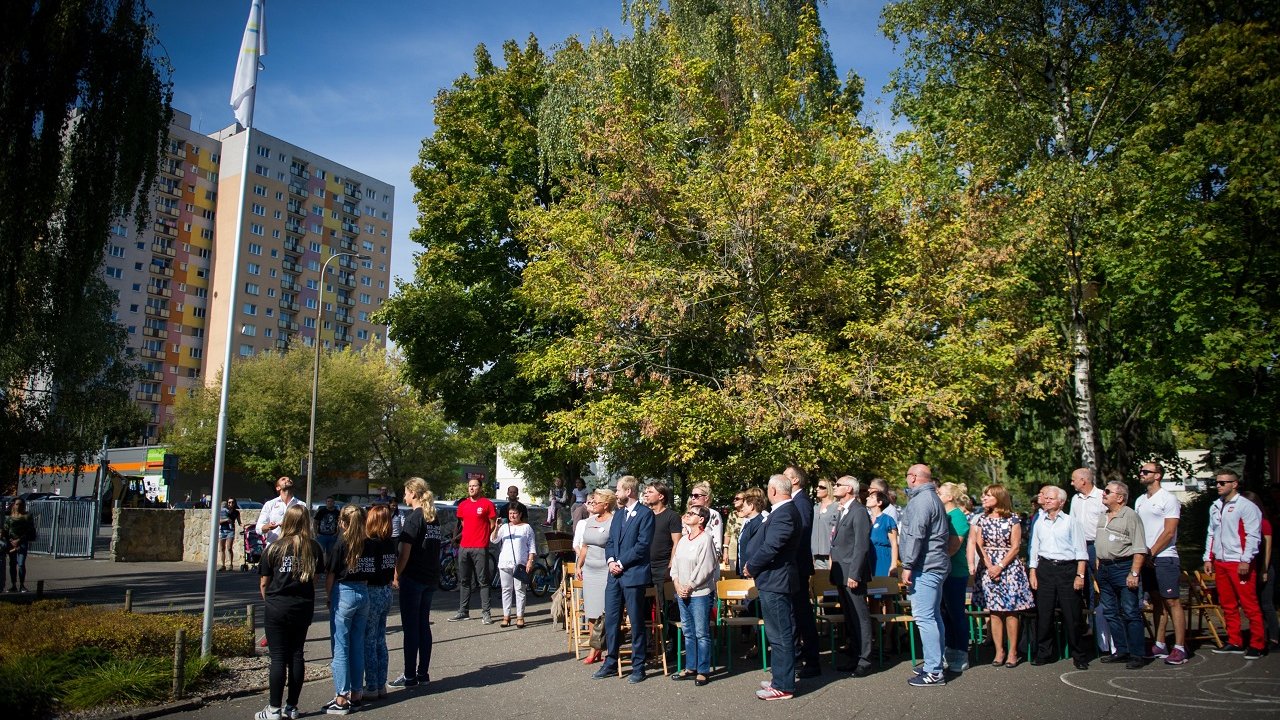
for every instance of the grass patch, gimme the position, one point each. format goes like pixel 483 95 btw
pixel 56 657
pixel 130 682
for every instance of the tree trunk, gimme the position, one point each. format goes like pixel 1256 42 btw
pixel 1086 414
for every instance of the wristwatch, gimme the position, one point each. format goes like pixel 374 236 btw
pixel 1133 573
pixel 1080 575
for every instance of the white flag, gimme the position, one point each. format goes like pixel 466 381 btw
pixel 252 47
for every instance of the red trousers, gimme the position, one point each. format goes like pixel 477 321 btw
pixel 1234 595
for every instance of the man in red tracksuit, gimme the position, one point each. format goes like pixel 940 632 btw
pixel 1235 529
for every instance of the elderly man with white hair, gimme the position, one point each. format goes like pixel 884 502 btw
pixel 1058 559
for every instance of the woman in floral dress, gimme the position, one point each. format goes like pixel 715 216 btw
pixel 1001 576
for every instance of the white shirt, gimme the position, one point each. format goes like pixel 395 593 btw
pixel 1086 509
pixel 273 512
pixel 515 544
pixel 1154 510
pixel 1057 538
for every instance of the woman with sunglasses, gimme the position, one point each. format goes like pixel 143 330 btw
pixel 593 570
pixel 825 514
pixel 693 573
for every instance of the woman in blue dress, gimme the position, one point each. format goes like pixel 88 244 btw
pixel 884 534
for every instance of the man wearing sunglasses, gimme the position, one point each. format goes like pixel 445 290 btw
pixel 1160 512
pixel 1235 530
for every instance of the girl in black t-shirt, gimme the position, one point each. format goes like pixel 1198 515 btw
pixel 417 574
pixel 381 548
pixel 347 585
pixel 287 576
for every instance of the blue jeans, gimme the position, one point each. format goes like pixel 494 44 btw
pixel 926 606
pixel 326 543
pixel 695 617
pixel 17 566
pixel 779 627
pixel 1120 607
pixel 348 616
pixel 957 623
pixel 415 619
pixel 375 639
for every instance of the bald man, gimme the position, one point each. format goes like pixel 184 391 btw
pixel 922 547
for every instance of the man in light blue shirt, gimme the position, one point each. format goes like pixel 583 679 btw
pixel 1057 559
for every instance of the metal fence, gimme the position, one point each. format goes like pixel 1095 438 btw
pixel 64 528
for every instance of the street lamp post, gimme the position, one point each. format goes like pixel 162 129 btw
pixel 315 373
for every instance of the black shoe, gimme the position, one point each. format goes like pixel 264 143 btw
pixel 701 680
pixel 1249 654
pixel 862 671
pixel 1118 658
pixel 1081 665
pixel 1229 649
pixel 1135 663
pixel 635 677
pixel 687 674
pixel 1038 662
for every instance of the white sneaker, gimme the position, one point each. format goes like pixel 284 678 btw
pixel 290 711
pixel 268 713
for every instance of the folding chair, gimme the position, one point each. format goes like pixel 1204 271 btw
pixel 655 631
pixel 888 590
pixel 1202 601
pixel 826 608
pixel 733 610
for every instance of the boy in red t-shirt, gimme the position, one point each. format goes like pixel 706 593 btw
pixel 477 518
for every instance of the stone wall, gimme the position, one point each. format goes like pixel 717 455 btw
pixel 144 535
pixel 195 534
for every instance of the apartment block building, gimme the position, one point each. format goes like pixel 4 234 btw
pixel 174 278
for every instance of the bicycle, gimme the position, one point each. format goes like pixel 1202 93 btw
pixel 548 568
pixel 449 568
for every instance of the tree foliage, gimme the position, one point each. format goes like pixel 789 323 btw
pixel 84 110
pixel 366 419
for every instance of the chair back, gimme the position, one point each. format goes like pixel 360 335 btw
pixel 884 587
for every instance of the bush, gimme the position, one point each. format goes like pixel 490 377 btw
pixel 53 627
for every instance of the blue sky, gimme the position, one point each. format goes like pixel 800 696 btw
pixel 354 82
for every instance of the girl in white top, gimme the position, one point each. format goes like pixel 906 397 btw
pixel 516 548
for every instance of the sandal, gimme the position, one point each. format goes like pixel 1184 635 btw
pixel 506 622
pixel 519 622
pixel 700 680
pixel 683 675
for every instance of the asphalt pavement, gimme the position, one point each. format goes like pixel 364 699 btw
pixel 488 672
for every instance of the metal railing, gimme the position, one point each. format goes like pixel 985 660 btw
pixel 64 528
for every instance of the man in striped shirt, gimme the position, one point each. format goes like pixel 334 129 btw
pixel 1235 530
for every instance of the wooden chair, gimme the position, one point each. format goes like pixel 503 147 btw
pixel 1202 601
pixel 826 608
pixel 889 591
pixel 655 631
pixel 570 597
pixel 734 610
pixel 579 633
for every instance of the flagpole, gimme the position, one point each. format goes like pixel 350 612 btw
pixel 242 100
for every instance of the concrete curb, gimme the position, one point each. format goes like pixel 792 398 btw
pixel 192 703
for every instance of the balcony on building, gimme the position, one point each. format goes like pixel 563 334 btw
pixel 148 397
pixel 156 311
pixel 298 191
pixel 163 248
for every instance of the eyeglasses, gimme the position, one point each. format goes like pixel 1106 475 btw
pixel 1220 483
pixel 738 499
pixel 699 494
pixel 824 487
pixel 1106 492
pixel 1144 472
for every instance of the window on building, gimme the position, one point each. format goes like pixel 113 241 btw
pixel 251 289
pixel 256 229
pixel 255 249
pixel 246 350
pixel 257 209
pixel 255 269
pixel 250 309
pixel 249 330
pixel 260 190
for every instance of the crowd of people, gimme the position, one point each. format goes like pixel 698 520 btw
pixel 946 555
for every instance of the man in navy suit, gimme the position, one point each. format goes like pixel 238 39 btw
pixel 629 574
pixel 773 566
pixel 801 603
pixel 850 573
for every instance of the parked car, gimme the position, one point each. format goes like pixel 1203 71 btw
pixel 247 504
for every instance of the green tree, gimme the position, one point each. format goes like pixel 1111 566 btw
pixel 367 419
pixel 84 110
pixel 1034 100
pixel 747 280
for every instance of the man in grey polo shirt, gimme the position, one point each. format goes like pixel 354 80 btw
pixel 1122 548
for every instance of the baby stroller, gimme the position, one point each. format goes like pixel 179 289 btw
pixel 253 547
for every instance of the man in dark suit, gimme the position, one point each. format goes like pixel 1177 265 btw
pixel 773 566
pixel 627 552
pixel 801 601
pixel 850 573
